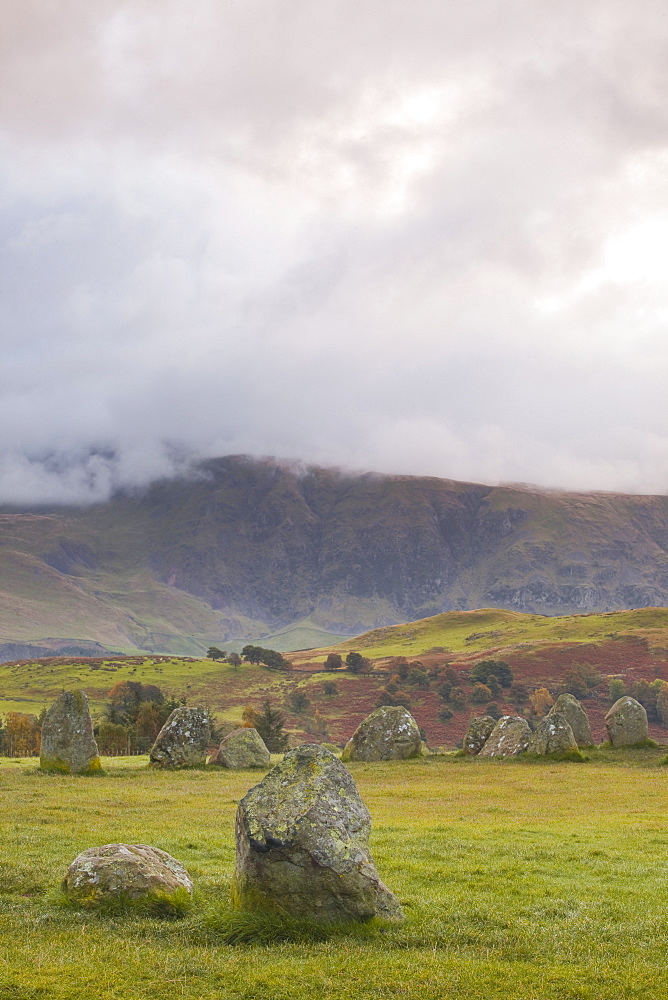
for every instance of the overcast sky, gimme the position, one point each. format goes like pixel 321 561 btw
pixel 417 236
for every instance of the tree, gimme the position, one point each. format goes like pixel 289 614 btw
pixel 662 703
pixel 417 676
pixel 458 697
pixel 355 662
pixel 269 724
pixel 213 653
pixel 330 688
pixel 267 657
pixel 22 734
pixel 334 661
pixel 112 738
pixel 234 660
pixel 299 702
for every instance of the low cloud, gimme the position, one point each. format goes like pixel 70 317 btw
pixel 403 237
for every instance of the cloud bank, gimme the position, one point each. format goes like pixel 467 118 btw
pixel 411 237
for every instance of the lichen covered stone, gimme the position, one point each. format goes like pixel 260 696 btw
pixel 67 744
pixel 477 734
pixel 183 741
pixel 128 871
pixel 568 706
pixel 242 749
pixel 626 723
pixel 389 733
pixel 302 838
pixel 552 735
pixel 509 738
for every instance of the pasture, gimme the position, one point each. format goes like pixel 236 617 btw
pixel 518 879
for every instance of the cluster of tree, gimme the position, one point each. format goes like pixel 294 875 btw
pixel 354 662
pixel 270 658
pixel 214 653
pixel 20 734
pixel 134 715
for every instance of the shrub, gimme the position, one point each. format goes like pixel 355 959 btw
pixel 646 694
pixel 458 697
pixel 443 690
pixel 269 724
pixel 499 668
pixel 451 677
pixel 662 703
pixel 480 694
pixel 493 710
pixel 330 688
pixel 616 689
pixel 445 714
pixel 541 701
pixel 417 676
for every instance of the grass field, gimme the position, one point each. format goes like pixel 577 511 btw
pixel 518 879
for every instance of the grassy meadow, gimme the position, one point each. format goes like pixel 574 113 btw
pixel 518 879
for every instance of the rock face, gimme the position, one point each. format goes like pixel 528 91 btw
pixel 568 706
pixel 553 734
pixel 183 741
pixel 302 844
pixel 477 734
pixel 389 733
pixel 129 870
pixel 68 744
pixel 243 748
pixel 509 738
pixel 626 722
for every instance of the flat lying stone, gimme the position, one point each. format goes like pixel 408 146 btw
pixel 389 733
pixel 509 738
pixel 302 839
pixel 124 870
pixel 183 741
pixel 67 744
pixel 242 749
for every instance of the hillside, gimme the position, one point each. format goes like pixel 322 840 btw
pixel 246 548
pixel 630 646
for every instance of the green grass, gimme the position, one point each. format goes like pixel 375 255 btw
pixel 518 879
pixel 491 628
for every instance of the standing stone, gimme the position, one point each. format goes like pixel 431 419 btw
pixel 509 738
pixel 302 840
pixel 124 870
pixel 552 735
pixel 241 749
pixel 389 733
pixel 184 739
pixel 626 723
pixel 67 744
pixel 568 706
pixel 477 734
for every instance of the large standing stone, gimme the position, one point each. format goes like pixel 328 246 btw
pixel 124 870
pixel 552 735
pixel 509 738
pixel 67 742
pixel 241 749
pixel 184 739
pixel 389 733
pixel 302 844
pixel 626 723
pixel 477 734
pixel 568 706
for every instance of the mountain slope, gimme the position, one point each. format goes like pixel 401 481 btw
pixel 246 548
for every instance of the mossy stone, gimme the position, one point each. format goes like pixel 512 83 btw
pixel 389 733
pixel 183 741
pixel 124 871
pixel 302 838
pixel 626 723
pixel 509 738
pixel 241 749
pixel 477 734
pixel 569 706
pixel 552 735
pixel 67 742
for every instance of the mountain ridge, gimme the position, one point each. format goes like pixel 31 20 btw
pixel 250 547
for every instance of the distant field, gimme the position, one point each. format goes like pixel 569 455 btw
pixel 531 881
pixel 630 645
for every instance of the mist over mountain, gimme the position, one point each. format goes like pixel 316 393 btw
pixel 247 547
